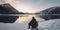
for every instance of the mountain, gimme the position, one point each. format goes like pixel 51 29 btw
pixel 50 13
pixel 8 9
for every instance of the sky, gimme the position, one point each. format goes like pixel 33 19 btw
pixel 31 6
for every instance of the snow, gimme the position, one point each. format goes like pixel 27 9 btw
pixel 53 24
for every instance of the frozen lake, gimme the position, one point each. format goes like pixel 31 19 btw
pixel 22 24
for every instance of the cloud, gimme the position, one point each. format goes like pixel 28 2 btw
pixel 8 1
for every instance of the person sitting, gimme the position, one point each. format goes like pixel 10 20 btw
pixel 33 23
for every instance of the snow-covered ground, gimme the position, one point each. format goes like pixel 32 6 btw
pixel 50 25
pixel 23 25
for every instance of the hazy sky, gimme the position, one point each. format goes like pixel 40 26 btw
pixel 32 5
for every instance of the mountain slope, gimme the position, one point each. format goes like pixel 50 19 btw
pixel 8 9
pixel 50 13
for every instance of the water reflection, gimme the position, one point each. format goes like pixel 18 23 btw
pixel 24 18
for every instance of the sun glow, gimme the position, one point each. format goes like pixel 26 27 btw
pixel 24 9
pixel 21 8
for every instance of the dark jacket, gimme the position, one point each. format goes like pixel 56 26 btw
pixel 33 23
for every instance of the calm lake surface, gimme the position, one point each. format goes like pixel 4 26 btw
pixel 22 23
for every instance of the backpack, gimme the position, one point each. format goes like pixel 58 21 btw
pixel 35 24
